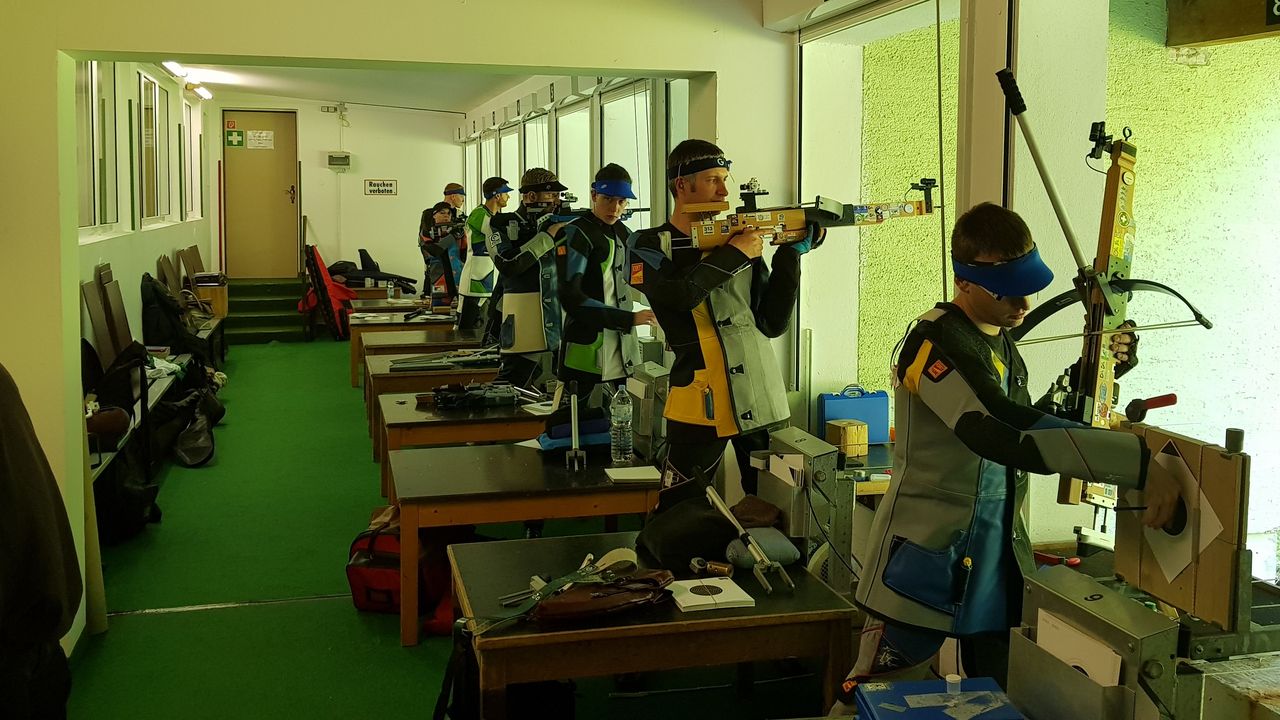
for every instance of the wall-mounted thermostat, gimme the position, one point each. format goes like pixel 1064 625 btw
pixel 339 161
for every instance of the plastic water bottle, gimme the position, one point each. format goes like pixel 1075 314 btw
pixel 391 290
pixel 620 427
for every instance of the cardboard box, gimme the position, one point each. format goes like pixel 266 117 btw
pixel 842 433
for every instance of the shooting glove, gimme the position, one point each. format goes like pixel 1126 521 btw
pixel 539 245
pixel 812 240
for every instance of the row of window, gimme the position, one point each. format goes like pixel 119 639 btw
pixel 131 116
pixel 576 139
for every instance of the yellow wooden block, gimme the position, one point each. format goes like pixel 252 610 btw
pixel 847 432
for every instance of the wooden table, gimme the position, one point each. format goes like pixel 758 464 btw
pixel 358 325
pixel 472 485
pixel 811 621
pixel 431 339
pixel 370 293
pixel 386 304
pixel 380 380
pixel 403 424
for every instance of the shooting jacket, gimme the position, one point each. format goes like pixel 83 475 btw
pixel 718 310
pixel 524 254
pixel 478 273
pixel 948 546
pixel 594 251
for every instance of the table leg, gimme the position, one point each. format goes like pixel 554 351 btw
pixel 409 574
pixel 493 690
pixel 378 434
pixel 355 358
pixel 839 660
pixel 390 441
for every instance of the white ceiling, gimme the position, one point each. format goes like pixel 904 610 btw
pixel 415 88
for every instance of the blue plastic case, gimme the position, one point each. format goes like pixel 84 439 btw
pixel 855 403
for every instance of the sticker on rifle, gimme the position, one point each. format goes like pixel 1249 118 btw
pixel 637 273
pixel 938 370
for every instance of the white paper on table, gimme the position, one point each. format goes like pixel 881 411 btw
pixel 1175 552
pixel 530 444
pixel 645 473
pixel 539 408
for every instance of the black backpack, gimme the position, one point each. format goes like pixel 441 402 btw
pixel 163 324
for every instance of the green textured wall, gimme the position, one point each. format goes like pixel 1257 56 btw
pixel 1207 208
pixel 900 273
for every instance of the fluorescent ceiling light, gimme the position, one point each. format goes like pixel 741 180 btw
pixel 174 68
pixel 214 77
pixel 203 92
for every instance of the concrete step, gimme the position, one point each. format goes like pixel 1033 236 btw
pixel 252 334
pixel 238 304
pixel 258 287
pixel 287 319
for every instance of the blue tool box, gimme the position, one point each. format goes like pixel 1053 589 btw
pixel 855 403
pixel 979 698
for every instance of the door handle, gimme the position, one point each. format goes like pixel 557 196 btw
pixel 293 194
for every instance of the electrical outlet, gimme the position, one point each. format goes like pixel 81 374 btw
pixel 329 108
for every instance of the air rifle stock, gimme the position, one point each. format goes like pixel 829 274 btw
pixel 785 225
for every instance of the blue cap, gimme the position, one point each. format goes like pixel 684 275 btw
pixel 456 191
pixel 1020 277
pixel 614 188
pixel 498 191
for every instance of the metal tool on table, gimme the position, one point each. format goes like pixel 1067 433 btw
pixel 574 458
pixel 762 562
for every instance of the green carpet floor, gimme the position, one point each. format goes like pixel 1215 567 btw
pixel 269 522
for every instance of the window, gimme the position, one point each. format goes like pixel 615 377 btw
pixel 153 141
pixel 471 174
pixel 536 143
pixel 573 149
pixel 488 156
pixel 96 142
pixel 624 139
pixel 509 155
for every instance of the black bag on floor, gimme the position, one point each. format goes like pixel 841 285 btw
pixel 124 499
pixel 194 446
pixel 459 697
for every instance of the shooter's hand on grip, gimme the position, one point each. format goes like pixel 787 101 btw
pixel 749 242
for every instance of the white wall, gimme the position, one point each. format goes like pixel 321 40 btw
pixel 831 166
pixel 1060 106
pixel 743 63
pixel 410 146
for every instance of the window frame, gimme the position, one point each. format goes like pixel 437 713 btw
pixel 102 172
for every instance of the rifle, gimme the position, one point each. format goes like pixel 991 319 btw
pixel 567 213
pixel 789 224
pixel 1104 287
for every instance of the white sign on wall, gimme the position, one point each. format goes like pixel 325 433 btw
pixel 380 187
pixel 260 139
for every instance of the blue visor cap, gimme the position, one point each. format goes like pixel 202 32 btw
pixel 1023 276
pixel 504 189
pixel 459 191
pixel 696 166
pixel 614 188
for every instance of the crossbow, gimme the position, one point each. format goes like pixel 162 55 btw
pixel 1103 287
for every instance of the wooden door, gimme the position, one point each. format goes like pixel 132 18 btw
pixel 261 194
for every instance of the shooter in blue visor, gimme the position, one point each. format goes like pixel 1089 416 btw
pixel 598 343
pixel 949 547
pixel 478 273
